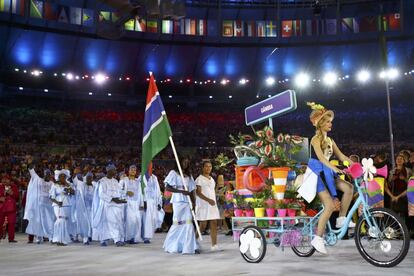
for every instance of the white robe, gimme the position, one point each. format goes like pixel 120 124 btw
pixel 83 212
pixel 133 217
pixel 108 216
pixel 39 210
pixel 181 236
pixel 153 197
pixel 63 213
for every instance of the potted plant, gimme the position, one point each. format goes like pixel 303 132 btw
pixel 281 206
pixel 292 208
pixel 239 204
pixel 269 205
pixel 258 205
pixel 249 209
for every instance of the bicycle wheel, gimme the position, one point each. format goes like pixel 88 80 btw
pixel 304 249
pixel 386 246
pixel 252 244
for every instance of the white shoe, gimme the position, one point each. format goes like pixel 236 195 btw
pixel 216 248
pixel 319 244
pixel 340 222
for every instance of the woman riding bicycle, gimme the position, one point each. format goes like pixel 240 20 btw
pixel 322 176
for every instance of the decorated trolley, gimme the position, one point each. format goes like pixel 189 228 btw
pixel 267 176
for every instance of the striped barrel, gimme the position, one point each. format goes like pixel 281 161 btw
pixel 279 179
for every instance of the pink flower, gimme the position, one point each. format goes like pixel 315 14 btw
pixel 268 150
pixel 229 196
pixel 287 138
pixel 280 138
pixel 260 133
pixel 269 133
pixel 296 139
pixel 259 144
pixel 247 137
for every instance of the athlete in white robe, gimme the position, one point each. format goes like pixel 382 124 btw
pixel 85 189
pixel 134 206
pixel 108 215
pixel 181 236
pixel 39 210
pixel 152 203
pixel 61 195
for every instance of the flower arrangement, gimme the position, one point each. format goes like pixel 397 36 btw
pixel 221 163
pixel 272 151
pixel 280 204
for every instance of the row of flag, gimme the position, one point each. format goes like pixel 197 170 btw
pixel 292 28
pixel 74 15
pixel 230 28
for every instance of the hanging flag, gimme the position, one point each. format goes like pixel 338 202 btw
pixel 287 29
pixel 157 130
pixel 104 15
pixel 394 22
pixel 51 11
pixel 249 28
pixel 5 5
pixel 129 25
pixel 238 28
pixel 115 16
pixel 202 27
pixel 18 7
pixel 261 31
pixel 167 26
pixel 347 25
pixel 87 17
pixel 36 9
pixel 227 28
pixel 152 26
pixel 63 14
pixel 179 26
pixel 368 24
pixel 297 27
pixel 140 25
pixel 330 26
pixel 271 29
pixel 75 15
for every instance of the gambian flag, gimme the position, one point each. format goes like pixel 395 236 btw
pixel 157 130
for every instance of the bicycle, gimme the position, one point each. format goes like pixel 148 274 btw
pixel 380 235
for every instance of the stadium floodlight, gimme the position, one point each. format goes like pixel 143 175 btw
pixel 302 80
pixel 393 73
pixel 243 81
pixel 46 90
pixel 330 78
pixel 270 81
pixel 100 78
pixel 363 76
pixel 223 81
pixel 20 88
pixel 36 73
pixel 69 76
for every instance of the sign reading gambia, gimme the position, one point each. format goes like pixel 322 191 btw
pixel 272 107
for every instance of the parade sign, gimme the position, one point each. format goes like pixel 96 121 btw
pixel 272 107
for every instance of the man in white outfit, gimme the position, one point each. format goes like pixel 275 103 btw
pixel 152 203
pixel 134 206
pixel 108 218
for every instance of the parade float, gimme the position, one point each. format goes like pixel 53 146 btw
pixel 268 209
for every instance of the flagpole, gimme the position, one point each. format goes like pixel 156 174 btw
pixel 185 188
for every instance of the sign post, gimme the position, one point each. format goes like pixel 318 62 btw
pixel 275 106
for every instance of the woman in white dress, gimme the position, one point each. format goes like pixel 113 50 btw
pixel 206 206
